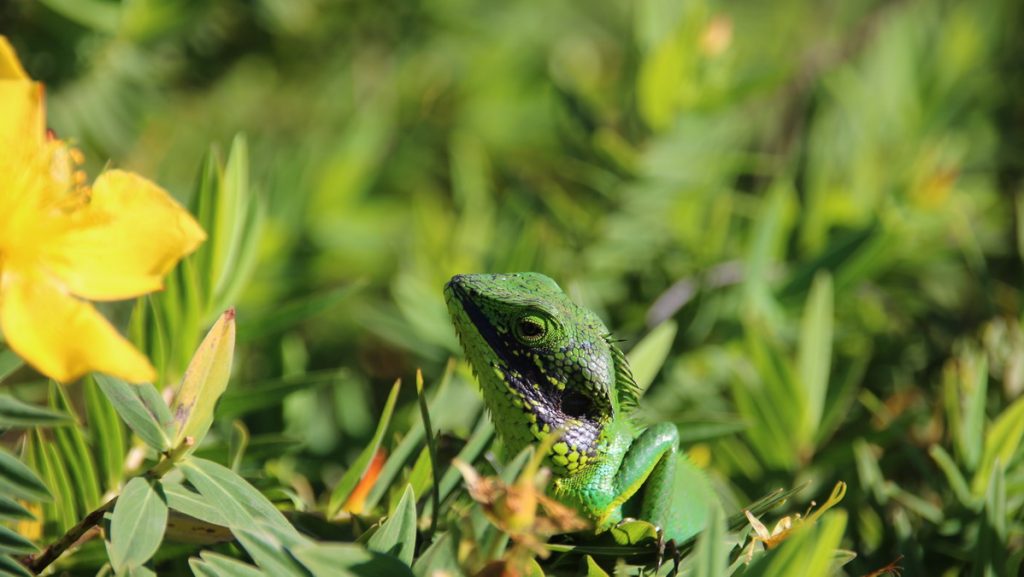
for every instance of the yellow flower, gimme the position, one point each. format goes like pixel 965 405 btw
pixel 62 241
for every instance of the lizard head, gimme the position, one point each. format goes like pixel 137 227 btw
pixel 537 352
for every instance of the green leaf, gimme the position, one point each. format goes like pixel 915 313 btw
pixel 140 571
pixel 11 542
pixel 76 454
pixel 204 381
pixel 289 315
pixel 814 357
pixel 238 442
pixel 9 362
pixel 954 477
pixel 712 550
pixel 141 407
pixel 193 504
pixel 408 446
pixel 217 565
pixel 10 567
pixel 326 560
pixel 965 390
pixel 397 536
pixel 96 14
pixel 15 413
pixel 593 569
pixel 648 356
pixel 634 533
pixel 107 434
pixel 990 553
pixel 17 480
pixel 477 443
pixel 348 482
pixel 442 555
pixel 137 524
pixel 1001 443
pixel 240 503
pixel 60 482
pixel 11 509
pixel 810 550
pixel 269 553
pixel 697 428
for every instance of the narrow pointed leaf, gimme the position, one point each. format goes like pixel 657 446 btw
pixel 648 356
pixel 17 480
pixel 10 567
pixel 1002 441
pixel 107 434
pixel 712 550
pixel 15 413
pixel 13 510
pixel 351 478
pixel 11 542
pixel 397 536
pixel 76 454
pixel 814 358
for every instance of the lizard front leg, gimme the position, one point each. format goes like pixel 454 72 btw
pixel 650 464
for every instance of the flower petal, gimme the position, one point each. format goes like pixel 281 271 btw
pixel 10 66
pixel 21 125
pixel 129 235
pixel 62 336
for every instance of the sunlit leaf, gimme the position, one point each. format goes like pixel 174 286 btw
pixel 397 536
pixel 648 356
pixel 348 482
pixel 814 356
pixel 137 524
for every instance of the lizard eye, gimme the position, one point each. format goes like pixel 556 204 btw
pixel 530 328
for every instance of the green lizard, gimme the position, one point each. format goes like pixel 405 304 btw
pixel 545 363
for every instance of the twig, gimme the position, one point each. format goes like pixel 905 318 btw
pixel 37 563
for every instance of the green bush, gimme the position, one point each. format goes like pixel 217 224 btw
pixel 805 221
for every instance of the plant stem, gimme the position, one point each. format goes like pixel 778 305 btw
pixel 37 563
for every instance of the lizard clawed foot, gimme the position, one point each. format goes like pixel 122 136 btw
pixel 669 546
pixel 661 549
pixel 677 557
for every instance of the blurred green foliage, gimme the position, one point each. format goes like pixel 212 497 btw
pixel 824 200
